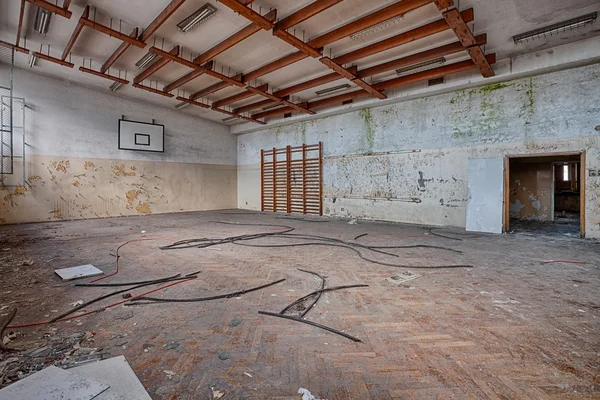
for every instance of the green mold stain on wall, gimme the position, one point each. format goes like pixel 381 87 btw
pixel 370 127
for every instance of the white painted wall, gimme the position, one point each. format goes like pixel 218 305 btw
pixel 74 168
pixel 432 139
pixel 67 119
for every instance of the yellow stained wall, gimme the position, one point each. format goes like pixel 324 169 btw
pixel 62 188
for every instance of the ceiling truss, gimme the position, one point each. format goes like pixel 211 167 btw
pixel 279 102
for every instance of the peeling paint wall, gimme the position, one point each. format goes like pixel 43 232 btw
pixel 531 193
pixel 75 170
pixel 408 162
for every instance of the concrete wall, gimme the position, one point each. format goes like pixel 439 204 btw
pixel 422 177
pixel 74 168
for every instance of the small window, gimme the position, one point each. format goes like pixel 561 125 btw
pixel 565 173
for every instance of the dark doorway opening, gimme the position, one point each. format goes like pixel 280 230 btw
pixel 545 194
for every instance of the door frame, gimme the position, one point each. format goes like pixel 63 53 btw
pixel 508 157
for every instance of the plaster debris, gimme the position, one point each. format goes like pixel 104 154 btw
pixel 217 394
pixel 306 395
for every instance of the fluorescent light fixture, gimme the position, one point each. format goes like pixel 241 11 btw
pixel 555 29
pixel 334 89
pixel 42 21
pixel 229 119
pixel 201 15
pixel 115 86
pixel 32 60
pixel 182 105
pixel 146 60
pixel 422 66
pixel 376 28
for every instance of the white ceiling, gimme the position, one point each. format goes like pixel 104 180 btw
pixel 499 19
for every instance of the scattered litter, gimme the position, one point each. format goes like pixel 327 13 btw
pixel 306 395
pixel 118 374
pixel 353 222
pixel 223 355
pixel 403 277
pixel 216 393
pixel 171 345
pixel 27 263
pixel 581 310
pixel 53 383
pixel 77 303
pixel 126 295
pixel 170 374
pixel 235 322
pixel 143 232
pixel 81 271
pixel 247 374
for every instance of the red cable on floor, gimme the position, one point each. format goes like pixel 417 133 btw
pixel 117 256
pixel 101 308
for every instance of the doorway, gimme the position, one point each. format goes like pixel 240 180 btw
pixel 544 194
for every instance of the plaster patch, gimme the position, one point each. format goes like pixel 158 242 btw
pixel 143 208
pixel 119 170
pixel 516 207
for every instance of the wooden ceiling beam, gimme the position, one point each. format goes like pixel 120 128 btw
pixel 334 76
pixel 13 47
pixel 276 98
pixel 314 8
pixel 234 39
pixel 103 75
pixel 432 73
pixel 275 111
pixel 152 90
pixel 456 21
pixel 239 96
pixel 400 39
pixel 20 25
pixel 391 11
pixel 392 83
pixel 111 32
pixel 399 8
pixel 160 19
pixel 346 73
pixel 251 119
pixel 297 43
pixel 53 59
pixel 118 52
pixel 46 5
pixel 76 32
pixel 248 13
pixel 254 106
pixel 226 44
pixel 213 88
pixel 437 52
pixel 158 64
pixel 275 65
pixel 191 101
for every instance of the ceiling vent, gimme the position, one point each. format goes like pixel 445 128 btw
pixel 350 101
pixel 555 29
pixel 287 115
pixel 334 89
pixel 201 15
pixel 420 67
pixel 436 81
